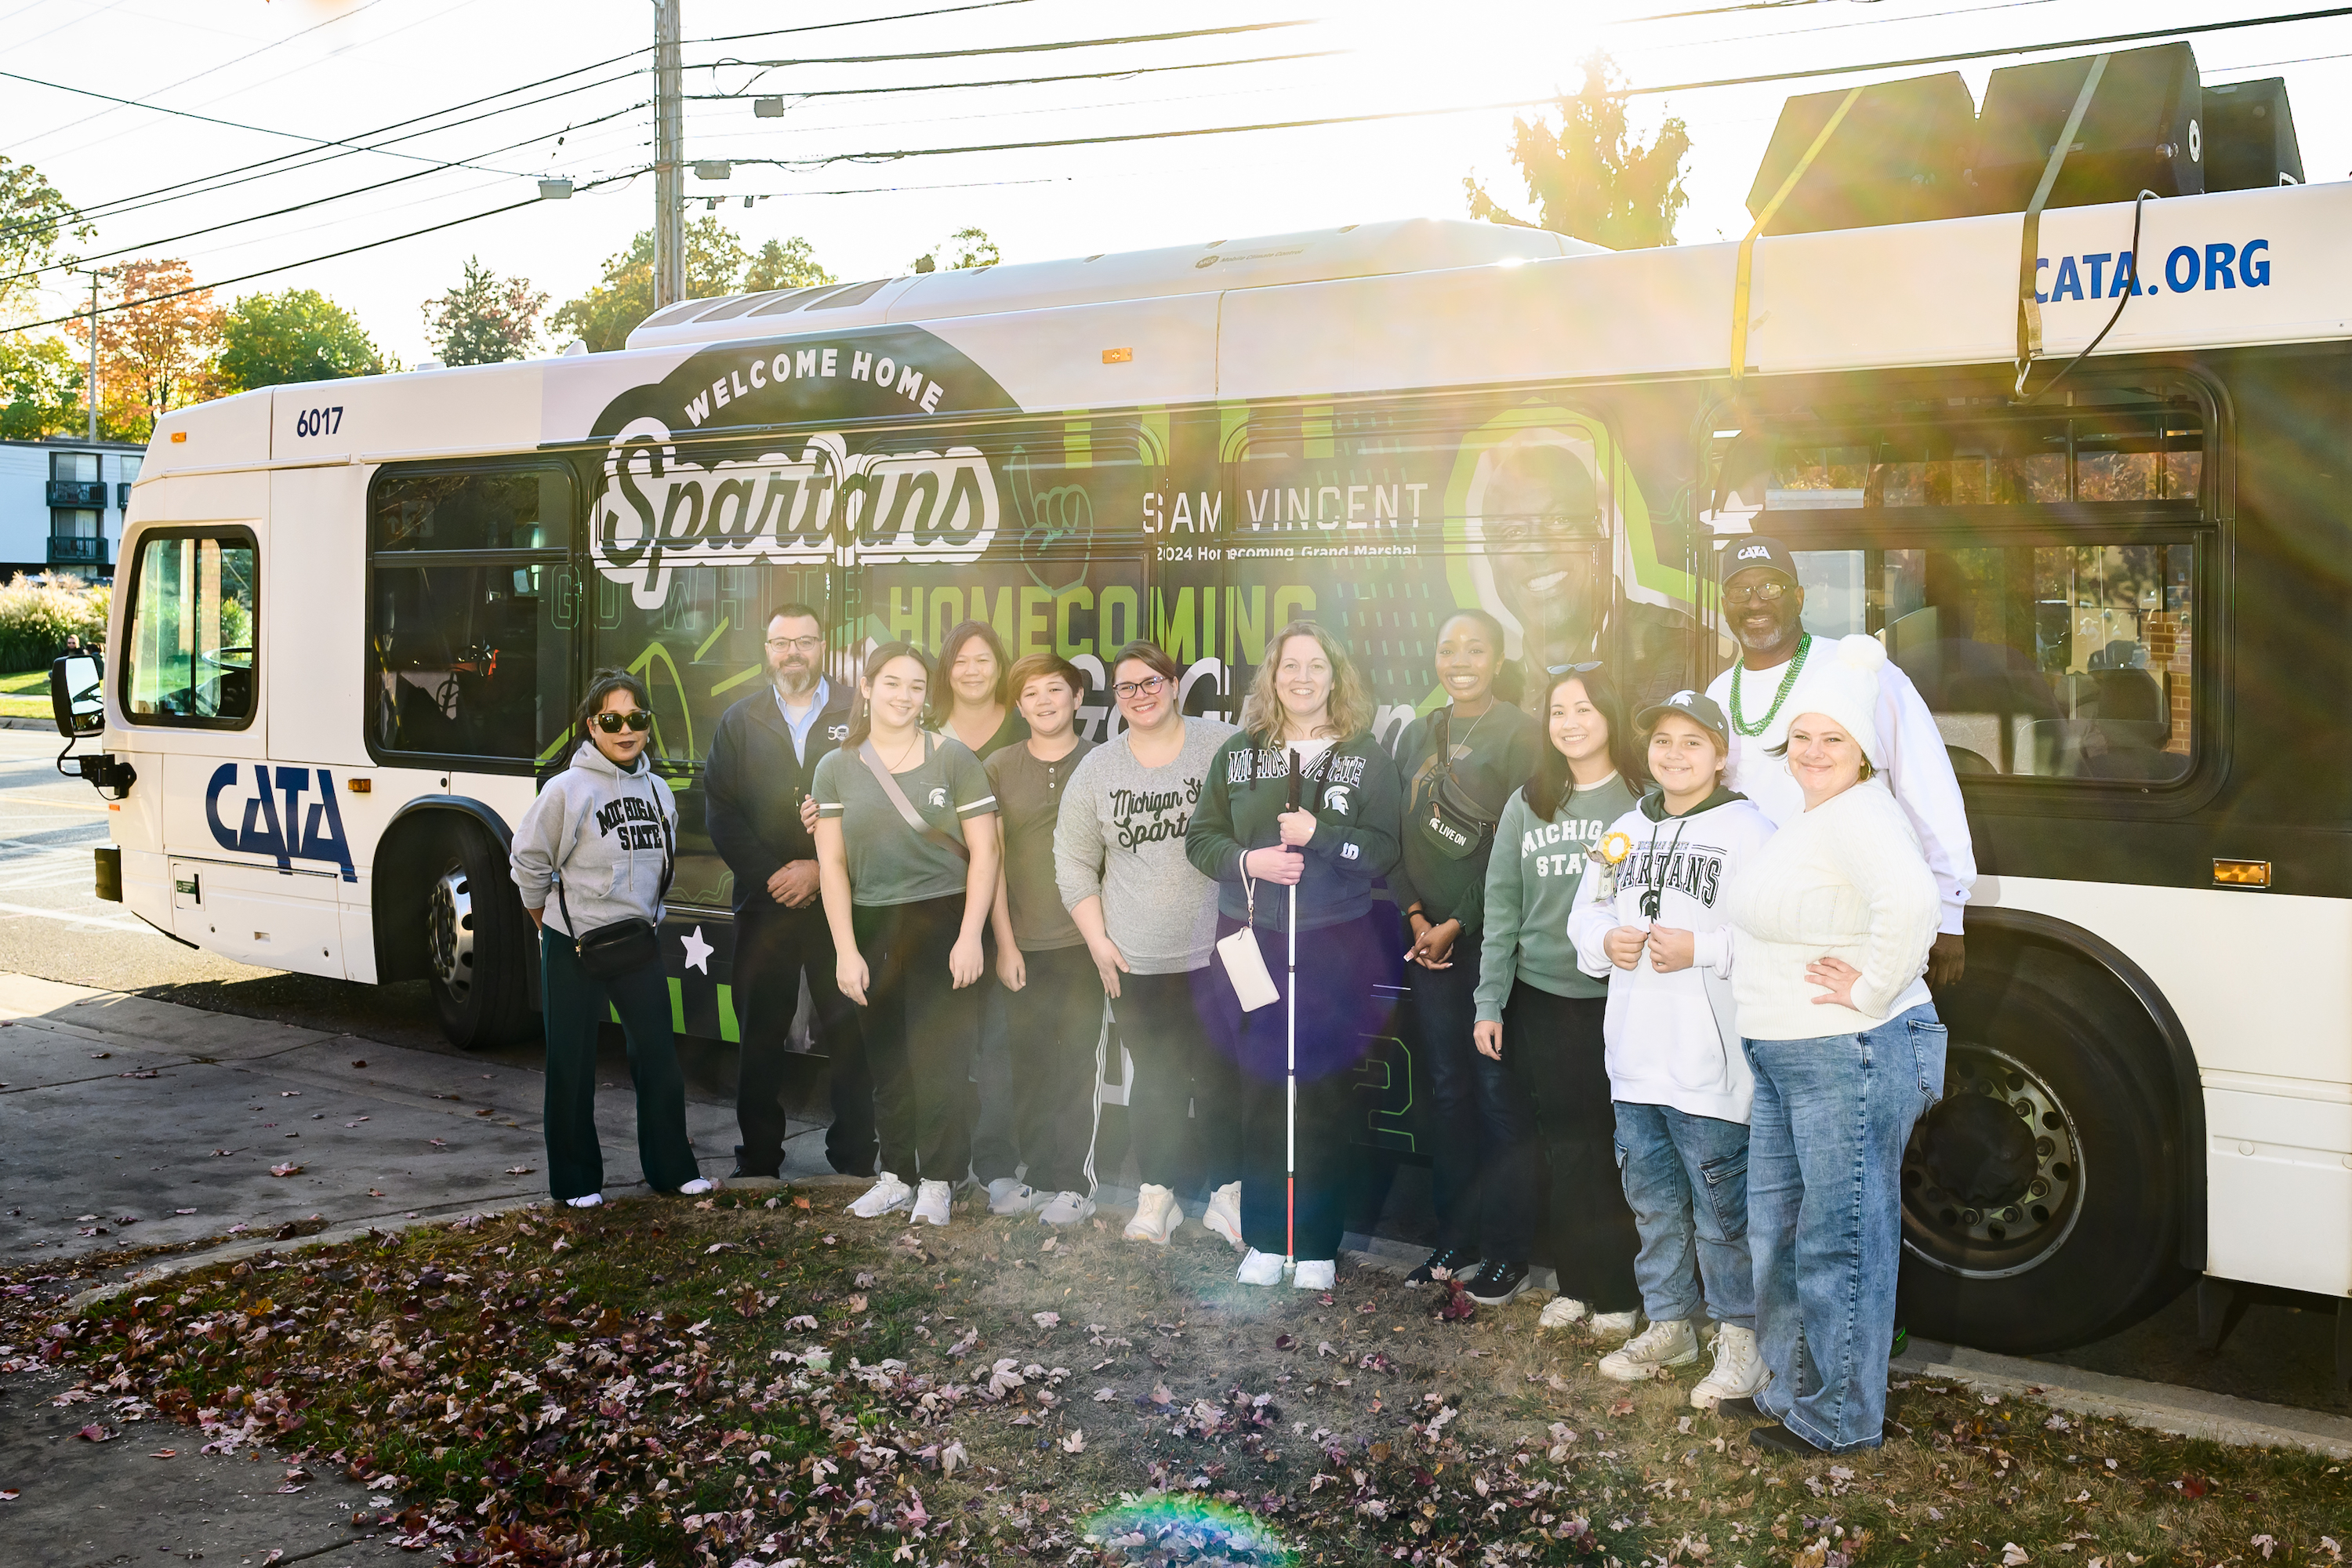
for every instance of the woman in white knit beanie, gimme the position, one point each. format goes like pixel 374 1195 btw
pixel 1832 924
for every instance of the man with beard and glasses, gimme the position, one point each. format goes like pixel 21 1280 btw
pixel 1763 607
pixel 754 791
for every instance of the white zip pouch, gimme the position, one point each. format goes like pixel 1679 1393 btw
pixel 1244 964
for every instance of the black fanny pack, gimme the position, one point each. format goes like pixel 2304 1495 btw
pixel 1457 824
pixel 626 946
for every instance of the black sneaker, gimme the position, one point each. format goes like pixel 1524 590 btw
pixel 1778 1440
pixel 1742 1409
pixel 743 1168
pixel 1456 1262
pixel 1495 1283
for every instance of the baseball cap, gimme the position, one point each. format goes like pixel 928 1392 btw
pixel 1757 550
pixel 1695 706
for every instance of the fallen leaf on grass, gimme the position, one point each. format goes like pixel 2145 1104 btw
pixel 800 1203
pixel 1284 1342
pixel 856 1304
pixel 2012 1555
pixel 1076 1443
pixel 2193 1485
pixel 1046 1320
pixel 1105 1396
pixel 285 1170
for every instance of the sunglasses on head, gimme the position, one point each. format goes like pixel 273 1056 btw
pixel 1587 668
pixel 634 718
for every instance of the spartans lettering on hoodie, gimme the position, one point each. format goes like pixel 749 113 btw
pixel 635 820
pixel 1694 871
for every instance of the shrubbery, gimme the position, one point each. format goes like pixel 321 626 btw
pixel 35 617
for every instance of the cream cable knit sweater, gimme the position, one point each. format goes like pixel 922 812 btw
pixel 1845 879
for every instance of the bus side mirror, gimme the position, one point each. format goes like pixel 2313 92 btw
pixel 78 695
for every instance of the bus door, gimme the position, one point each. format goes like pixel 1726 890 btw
pixel 749 529
pixel 1380 522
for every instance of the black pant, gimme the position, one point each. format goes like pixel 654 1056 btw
pixel 1555 1042
pixel 1040 1091
pixel 773 944
pixel 1179 1109
pixel 921 1031
pixel 1329 1165
pixel 1484 1158
pixel 577 1002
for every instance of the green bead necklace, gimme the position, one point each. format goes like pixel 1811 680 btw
pixel 1788 683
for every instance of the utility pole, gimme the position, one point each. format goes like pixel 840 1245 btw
pixel 94 275
pixel 669 152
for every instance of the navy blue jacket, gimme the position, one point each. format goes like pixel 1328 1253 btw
pixel 752 787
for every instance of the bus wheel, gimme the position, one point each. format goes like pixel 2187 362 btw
pixel 2042 1197
pixel 474 937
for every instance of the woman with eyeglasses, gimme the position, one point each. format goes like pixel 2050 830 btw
pixel 1460 764
pixel 1149 919
pixel 604 835
pixel 1539 1014
pixel 1305 799
pixel 906 859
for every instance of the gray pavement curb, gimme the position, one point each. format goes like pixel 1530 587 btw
pixel 2161 1408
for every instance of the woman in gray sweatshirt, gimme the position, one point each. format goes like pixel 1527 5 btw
pixel 1149 920
pixel 602 835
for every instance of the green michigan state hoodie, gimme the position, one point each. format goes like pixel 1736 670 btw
pixel 1351 788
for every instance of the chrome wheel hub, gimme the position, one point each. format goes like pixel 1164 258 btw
pixel 449 931
pixel 1992 1180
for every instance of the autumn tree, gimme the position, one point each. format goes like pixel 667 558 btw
pixel 1588 177
pixel 966 248
pixel 35 220
pixel 485 319
pixel 274 339
pixel 40 387
pixel 159 337
pixel 716 264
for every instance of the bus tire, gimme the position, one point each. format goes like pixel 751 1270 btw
pixel 475 938
pixel 2042 1200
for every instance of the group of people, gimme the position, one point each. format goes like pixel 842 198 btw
pixel 1668 971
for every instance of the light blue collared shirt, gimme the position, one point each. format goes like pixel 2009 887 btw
pixel 800 726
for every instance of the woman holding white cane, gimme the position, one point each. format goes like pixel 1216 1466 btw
pixel 1299 877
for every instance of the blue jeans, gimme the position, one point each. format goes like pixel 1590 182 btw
pixel 1686 1180
pixel 1825 1202
pixel 1484 1158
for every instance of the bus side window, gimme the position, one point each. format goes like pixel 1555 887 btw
pixel 191 629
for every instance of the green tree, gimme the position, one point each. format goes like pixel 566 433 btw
pixel 40 388
pixel 1588 177
pixel 969 247
pixel 788 264
pixel 35 217
pixel 485 319
pixel 273 340
pixel 715 258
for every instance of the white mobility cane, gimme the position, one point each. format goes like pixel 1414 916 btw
pixel 1290 1028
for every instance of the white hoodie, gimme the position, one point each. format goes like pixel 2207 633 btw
pixel 1674 1039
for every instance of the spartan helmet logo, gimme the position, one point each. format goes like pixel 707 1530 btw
pixel 938 796
pixel 1338 798
pixel 1680 698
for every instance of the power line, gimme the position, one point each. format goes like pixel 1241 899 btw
pixel 889 156
pixel 306 261
pixel 1011 81
pixel 1017 48
pixel 859 22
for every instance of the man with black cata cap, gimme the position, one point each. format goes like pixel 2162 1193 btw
pixel 1762 608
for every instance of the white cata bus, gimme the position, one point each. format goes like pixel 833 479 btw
pixel 352 617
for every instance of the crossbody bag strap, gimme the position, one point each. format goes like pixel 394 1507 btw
pixel 915 819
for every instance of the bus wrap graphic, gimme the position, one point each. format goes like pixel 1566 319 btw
pixel 295 832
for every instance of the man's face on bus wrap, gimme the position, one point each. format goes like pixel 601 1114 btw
pixel 1541 517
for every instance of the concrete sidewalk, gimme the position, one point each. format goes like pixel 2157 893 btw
pixel 126 1122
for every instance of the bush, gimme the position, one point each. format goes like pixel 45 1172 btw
pixel 35 617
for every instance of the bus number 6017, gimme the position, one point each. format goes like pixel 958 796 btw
pixel 318 421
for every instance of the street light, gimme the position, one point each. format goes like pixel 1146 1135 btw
pixel 555 190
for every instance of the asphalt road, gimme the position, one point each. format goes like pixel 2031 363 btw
pixel 2282 1350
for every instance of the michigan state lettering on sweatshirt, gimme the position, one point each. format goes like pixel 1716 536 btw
pixel 1149 817
pixel 1570 835
pixel 632 819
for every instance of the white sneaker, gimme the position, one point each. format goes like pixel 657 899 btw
pixel 1614 1325
pixel 1067 1208
pixel 1740 1371
pixel 1157 1214
pixel 887 1193
pixel 931 1201
pixel 1011 1195
pixel 1562 1313
pixel 696 1187
pixel 1650 1352
pixel 1261 1268
pixel 588 1202
pixel 1223 1214
pixel 1319 1275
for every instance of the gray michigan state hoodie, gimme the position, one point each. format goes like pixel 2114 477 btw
pixel 607 833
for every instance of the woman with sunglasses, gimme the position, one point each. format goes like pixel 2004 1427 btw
pixel 1150 919
pixel 604 835
pixel 1460 763
pixel 906 859
pixel 1538 1013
